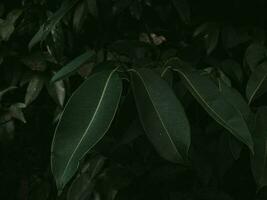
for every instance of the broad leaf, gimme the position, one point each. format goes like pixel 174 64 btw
pixel 85 120
pixel 257 85
pixel 259 159
pixel 72 66
pixel 161 114
pixel 213 101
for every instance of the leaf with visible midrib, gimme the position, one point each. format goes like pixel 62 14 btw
pixel 72 66
pixel 85 119
pixel 162 115
pixel 209 96
pixel 256 84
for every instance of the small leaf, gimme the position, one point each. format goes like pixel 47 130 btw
pixel 208 95
pixel 210 32
pixel 212 38
pixel 3 92
pixel 255 54
pixel 57 91
pixel 16 111
pixel 183 10
pixel 6 29
pixel 259 159
pixel 257 84
pixel 162 115
pixel 235 98
pixel 46 28
pixel 92 7
pixel 79 16
pixel 85 120
pixel 34 88
pixel 72 66
pixel 13 15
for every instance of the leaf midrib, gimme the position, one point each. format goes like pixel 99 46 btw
pixel 172 143
pixel 220 121
pixel 90 123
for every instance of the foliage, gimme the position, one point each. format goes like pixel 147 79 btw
pixel 133 99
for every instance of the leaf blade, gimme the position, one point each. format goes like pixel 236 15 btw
pixel 94 118
pixel 162 115
pixel 208 95
pixel 72 66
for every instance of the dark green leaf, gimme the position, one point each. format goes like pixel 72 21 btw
pixel 257 84
pixel 162 115
pixel 212 100
pixel 57 91
pixel 72 66
pixel 84 122
pixel 46 28
pixel 34 88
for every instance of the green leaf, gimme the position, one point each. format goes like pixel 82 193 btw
pixel 259 159
pixel 34 88
pixel 183 10
pixel 92 7
pixel 213 101
pixel 57 91
pixel 161 114
pixel 46 28
pixel 257 84
pixel 235 98
pixel 86 118
pixel 255 53
pixel 72 66
pixel 210 32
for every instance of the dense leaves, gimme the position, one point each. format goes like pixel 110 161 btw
pixel 133 99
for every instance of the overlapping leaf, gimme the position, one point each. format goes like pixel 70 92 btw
pixel 161 114
pixel 72 66
pixel 208 95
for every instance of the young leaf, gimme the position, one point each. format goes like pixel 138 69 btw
pixel 85 120
pixel 259 159
pixel 34 88
pixel 212 100
pixel 72 66
pixel 256 85
pixel 161 114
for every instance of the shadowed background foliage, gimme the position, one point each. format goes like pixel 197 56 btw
pixel 223 40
